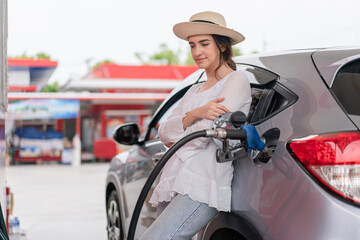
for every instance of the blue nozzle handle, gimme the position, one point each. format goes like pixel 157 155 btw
pixel 253 139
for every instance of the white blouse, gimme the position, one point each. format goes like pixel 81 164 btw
pixel 193 169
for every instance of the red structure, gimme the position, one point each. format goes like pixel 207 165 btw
pixel 150 72
pixel 112 78
pixel 32 63
pixel 115 94
pixel 144 78
pixel 109 95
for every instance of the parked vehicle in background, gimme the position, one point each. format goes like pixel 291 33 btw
pixel 306 103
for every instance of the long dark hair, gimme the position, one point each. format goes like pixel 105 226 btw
pixel 225 56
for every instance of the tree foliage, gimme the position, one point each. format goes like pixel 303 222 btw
pixel 189 59
pixel 42 55
pixel 164 56
pixel 51 87
pixel 236 51
pixel 102 62
pixel 39 55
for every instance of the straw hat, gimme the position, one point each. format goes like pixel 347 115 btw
pixel 207 23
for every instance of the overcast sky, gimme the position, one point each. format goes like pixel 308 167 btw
pixel 72 31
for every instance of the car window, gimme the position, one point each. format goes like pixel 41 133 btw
pixel 268 96
pixel 168 105
pixel 168 112
pixel 163 113
pixel 346 87
pixel 257 76
pixel 154 130
pixel 269 101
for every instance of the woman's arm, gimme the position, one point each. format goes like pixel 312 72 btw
pixel 170 132
pixel 208 111
pixel 171 129
pixel 236 95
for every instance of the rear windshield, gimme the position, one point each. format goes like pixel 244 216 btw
pixel 346 87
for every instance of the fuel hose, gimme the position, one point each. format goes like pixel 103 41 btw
pixel 219 133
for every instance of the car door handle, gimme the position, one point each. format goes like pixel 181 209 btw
pixel 157 156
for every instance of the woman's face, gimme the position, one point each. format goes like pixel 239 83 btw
pixel 204 51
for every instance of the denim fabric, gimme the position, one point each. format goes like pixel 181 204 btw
pixel 161 207
pixel 180 220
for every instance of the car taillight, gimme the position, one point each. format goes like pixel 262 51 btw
pixel 334 159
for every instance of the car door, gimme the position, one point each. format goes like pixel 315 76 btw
pixel 270 98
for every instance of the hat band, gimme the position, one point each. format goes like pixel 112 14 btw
pixel 204 21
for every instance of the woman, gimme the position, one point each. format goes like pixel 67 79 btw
pixel 194 183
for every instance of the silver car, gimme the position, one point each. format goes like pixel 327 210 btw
pixel 306 107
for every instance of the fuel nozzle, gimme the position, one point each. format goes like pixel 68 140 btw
pixel 227 128
pixel 232 126
pixel 223 134
pixel 252 138
pixel 237 119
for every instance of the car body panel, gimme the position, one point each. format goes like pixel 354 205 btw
pixel 130 171
pixel 329 61
pixel 257 194
pixel 278 198
pixel 298 62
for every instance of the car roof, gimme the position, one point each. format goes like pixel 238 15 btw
pixel 326 60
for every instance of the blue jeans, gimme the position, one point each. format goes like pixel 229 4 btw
pixel 180 220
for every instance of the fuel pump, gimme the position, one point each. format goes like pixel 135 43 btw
pixel 237 139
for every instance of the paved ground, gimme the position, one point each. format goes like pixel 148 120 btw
pixel 55 201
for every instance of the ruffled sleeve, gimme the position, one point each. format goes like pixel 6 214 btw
pixel 171 130
pixel 237 93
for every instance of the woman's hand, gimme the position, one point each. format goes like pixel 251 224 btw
pixel 169 144
pixel 210 111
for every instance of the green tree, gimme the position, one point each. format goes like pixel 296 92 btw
pixel 102 62
pixel 236 52
pixel 42 55
pixel 51 87
pixel 140 57
pixel 39 55
pixel 189 59
pixel 23 56
pixel 164 56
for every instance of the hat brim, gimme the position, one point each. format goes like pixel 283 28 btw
pixel 186 29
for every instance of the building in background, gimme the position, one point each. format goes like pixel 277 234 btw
pixel 109 95
pixel 143 88
pixel 29 75
pixel 32 132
